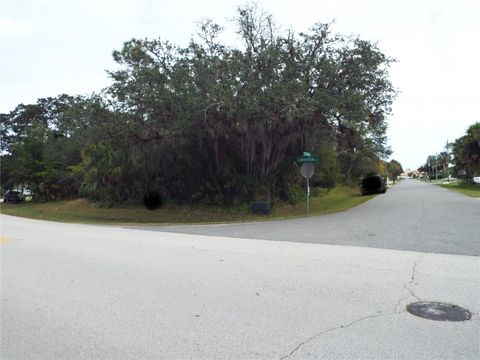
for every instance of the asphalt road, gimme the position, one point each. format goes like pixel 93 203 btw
pixel 411 216
pixel 71 291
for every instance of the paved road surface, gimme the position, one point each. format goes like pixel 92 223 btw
pixel 72 291
pixel 411 216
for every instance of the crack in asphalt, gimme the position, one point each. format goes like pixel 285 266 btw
pixel 412 278
pixel 343 326
pixel 398 304
pixel 379 314
pixel 414 271
pixel 408 285
pixel 411 293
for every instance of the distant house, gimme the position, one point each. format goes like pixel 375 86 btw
pixel 409 174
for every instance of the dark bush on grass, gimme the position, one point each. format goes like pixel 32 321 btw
pixel 152 200
pixel 373 184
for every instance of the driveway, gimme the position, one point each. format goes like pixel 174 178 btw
pixel 412 216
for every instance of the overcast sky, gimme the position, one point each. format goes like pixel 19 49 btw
pixel 49 47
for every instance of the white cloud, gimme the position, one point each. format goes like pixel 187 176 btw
pixel 11 29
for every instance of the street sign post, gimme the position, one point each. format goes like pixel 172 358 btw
pixel 307 169
pixel 307 159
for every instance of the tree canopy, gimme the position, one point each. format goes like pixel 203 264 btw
pixel 209 122
pixel 466 153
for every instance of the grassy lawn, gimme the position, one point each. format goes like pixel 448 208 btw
pixel 82 211
pixel 466 189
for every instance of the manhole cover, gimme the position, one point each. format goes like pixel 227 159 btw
pixel 439 311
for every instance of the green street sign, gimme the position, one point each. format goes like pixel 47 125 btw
pixel 307 157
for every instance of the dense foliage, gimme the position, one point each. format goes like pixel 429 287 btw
pixel 466 153
pixel 463 154
pixel 209 122
pixel 393 169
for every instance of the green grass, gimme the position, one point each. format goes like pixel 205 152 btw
pixel 83 211
pixel 463 188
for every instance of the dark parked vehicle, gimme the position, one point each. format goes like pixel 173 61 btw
pixel 12 196
pixel 373 184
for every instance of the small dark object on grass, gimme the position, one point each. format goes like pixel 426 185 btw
pixel 373 184
pixel 262 208
pixel 152 200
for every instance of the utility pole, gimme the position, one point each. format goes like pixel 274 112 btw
pixel 436 166
pixel 448 164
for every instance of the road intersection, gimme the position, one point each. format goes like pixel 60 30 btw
pixel 71 291
pixel 413 216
